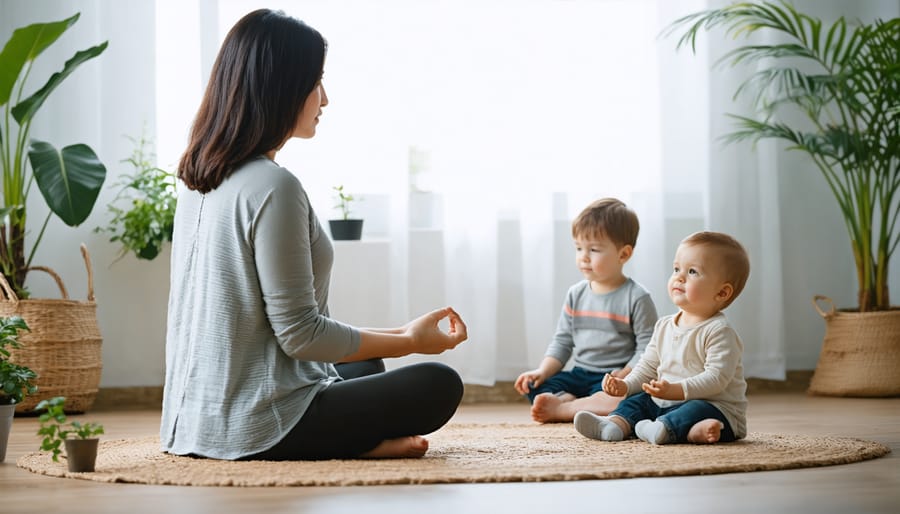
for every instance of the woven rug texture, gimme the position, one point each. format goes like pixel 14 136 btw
pixel 462 453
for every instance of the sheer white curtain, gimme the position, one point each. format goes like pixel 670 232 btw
pixel 732 189
pixel 522 113
pixel 744 200
pixel 499 121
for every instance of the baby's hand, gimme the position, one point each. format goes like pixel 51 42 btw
pixel 528 381
pixel 664 390
pixel 621 373
pixel 614 386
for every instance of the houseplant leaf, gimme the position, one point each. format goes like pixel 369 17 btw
pixel 25 44
pixel 24 111
pixel 70 180
pixel 844 83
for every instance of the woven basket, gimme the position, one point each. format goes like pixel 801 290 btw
pixel 63 346
pixel 860 355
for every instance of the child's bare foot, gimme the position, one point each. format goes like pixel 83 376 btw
pixel 705 432
pixel 413 446
pixel 550 408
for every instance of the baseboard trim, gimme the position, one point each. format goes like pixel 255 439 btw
pixel 150 397
pixel 128 398
pixel 796 381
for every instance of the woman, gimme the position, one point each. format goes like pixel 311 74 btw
pixel 250 346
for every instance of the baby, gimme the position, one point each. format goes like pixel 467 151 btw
pixel 688 385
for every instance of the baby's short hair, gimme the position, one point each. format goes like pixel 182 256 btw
pixel 732 256
pixel 608 217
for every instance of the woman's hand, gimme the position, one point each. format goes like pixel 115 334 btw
pixel 428 338
pixel 614 386
pixel 421 335
pixel 664 390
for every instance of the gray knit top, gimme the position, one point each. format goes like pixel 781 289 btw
pixel 249 342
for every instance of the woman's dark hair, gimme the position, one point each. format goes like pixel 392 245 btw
pixel 268 65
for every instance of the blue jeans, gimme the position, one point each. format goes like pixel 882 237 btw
pixel 678 419
pixel 579 382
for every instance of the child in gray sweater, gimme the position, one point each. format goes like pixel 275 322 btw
pixel 606 321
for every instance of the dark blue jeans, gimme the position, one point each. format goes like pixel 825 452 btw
pixel 579 382
pixel 678 419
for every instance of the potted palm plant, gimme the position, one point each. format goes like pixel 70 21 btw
pixel 16 380
pixel 345 228
pixel 69 180
pixel 842 81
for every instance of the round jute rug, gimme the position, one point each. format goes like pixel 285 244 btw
pixel 474 453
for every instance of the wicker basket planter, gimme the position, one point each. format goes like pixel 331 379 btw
pixel 860 354
pixel 63 346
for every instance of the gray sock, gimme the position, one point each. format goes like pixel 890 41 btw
pixel 654 432
pixel 593 426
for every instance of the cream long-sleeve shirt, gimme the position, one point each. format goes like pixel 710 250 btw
pixel 249 342
pixel 705 359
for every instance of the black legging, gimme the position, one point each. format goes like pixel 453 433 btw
pixel 351 417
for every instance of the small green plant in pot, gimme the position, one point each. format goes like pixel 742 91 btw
pixel 79 439
pixel 145 224
pixel 345 227
pixel 16 380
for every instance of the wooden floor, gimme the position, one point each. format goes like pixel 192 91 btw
pixel 867 487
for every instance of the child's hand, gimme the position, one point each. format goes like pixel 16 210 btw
pixel 664 390
pixel 614 386
pixel 621 373
pixel 528 381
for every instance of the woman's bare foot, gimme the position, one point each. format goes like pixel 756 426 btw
pixel 413 446
pixel 550 408
pixel 705 432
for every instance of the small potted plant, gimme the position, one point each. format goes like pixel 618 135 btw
pixel 345 228
pixel 144 209
pixel 16 381
pixel 81 449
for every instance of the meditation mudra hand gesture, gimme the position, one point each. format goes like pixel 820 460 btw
pixel 428 337
pixel 614 386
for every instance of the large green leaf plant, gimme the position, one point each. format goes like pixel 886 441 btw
pixel 842 81
pixel 69 179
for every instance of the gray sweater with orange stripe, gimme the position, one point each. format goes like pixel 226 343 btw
pixel 604 331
